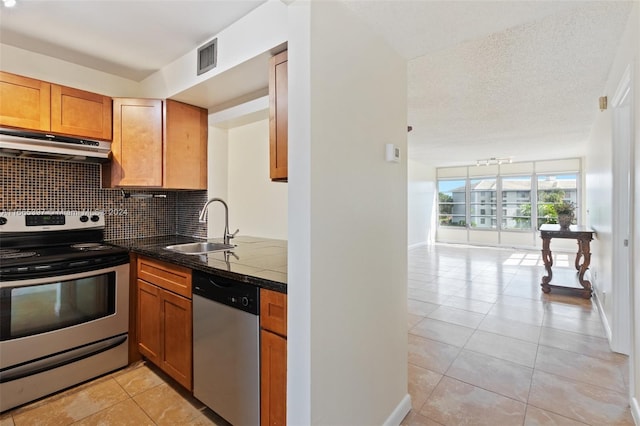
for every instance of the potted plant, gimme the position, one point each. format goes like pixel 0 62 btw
pixel 565 211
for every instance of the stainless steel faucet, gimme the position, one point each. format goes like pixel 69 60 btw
pixel 203 218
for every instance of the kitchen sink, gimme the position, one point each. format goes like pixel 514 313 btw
pixel 199 248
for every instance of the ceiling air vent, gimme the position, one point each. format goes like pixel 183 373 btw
pixel 207 55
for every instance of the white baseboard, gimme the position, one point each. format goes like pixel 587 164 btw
pixel 399 413
pixel 635 410
pixel 416 245
pixel 603 317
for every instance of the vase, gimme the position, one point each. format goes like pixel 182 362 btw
pixel 564 220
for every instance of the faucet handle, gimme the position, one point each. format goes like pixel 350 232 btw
pixel 233 235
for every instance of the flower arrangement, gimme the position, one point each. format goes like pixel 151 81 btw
pixel 565 207
pixel 565 210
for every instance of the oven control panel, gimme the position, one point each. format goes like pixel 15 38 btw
pixel 35 221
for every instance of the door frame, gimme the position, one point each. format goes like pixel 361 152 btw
pixel 622 159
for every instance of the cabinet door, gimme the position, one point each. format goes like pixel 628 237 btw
pixel 273 379
pixel 79 113
pixel 278 121
pixel 149 320
pixel 273 311
pixel 137 144
pixel 176 330
pixel 24 102
pixel 185 146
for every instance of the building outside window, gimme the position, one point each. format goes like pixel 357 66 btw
pixel 482 194
pixel 452 202
pixel 516 202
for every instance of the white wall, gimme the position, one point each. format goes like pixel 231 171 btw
pixel 218 181
pixel 347 222
pixel 422 194
pixel 259 205
pixel 599 180
pixel 635 274
pixel 42 67
pixel 599 189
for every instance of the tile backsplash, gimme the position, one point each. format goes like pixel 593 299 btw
pixel 43 185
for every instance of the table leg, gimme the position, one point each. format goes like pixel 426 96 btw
pixel 579 255
pixel 582 268
pixel 548 263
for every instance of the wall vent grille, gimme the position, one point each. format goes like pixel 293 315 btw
pixel 207 56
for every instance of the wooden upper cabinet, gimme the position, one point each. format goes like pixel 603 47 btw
pixel 32 104
pixel 137 144
pixel 24 102
pixel 278 112
pixel 185 146
pixel 157 144
pixel 79 113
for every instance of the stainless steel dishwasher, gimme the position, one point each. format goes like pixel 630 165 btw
pixel 226 347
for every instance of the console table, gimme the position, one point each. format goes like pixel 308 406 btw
pixel 583 235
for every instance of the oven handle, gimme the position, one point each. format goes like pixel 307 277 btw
pixel 8 275
pixel 53 278
pixel 59 359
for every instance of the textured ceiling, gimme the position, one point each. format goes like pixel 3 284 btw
pixel 500 79
pixel 486 79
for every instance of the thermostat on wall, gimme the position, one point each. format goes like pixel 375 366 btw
pixel 392 153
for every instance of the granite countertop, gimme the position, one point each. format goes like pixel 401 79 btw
pixel 254 260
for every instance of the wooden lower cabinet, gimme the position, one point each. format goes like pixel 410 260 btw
pixel 273 380
pixel 176 335
pixel 149 320
pixel 164 321
pixel 273 358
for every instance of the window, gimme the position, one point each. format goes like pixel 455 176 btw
pixel 553 189
pixel 482 193
pixel 516 202
pixel 452 202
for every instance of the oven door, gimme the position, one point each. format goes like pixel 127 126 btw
pixel 48 317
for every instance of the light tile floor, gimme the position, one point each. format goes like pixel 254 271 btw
pixel 139 395
pixel 486 347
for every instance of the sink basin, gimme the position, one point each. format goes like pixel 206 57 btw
pixel 199 248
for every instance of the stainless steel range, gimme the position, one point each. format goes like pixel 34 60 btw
pixel 64 303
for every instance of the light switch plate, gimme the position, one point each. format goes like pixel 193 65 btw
pixel 392 153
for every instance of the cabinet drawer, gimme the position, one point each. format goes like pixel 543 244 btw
pixel 170 277
pixel 273 311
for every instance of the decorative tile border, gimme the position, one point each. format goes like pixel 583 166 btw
pixel 33 184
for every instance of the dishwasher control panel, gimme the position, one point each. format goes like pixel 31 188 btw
pixel 227 291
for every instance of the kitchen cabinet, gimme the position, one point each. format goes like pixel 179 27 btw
pixel 136 150
pixel 273 358
pixel 32 104
pixel 157 144
pixel 185 146
pixel 164 318
pixel 278 121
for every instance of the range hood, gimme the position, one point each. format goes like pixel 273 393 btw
pixel 25 144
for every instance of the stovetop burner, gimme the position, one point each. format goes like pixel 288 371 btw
pixel 91 246
pixel 15 254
